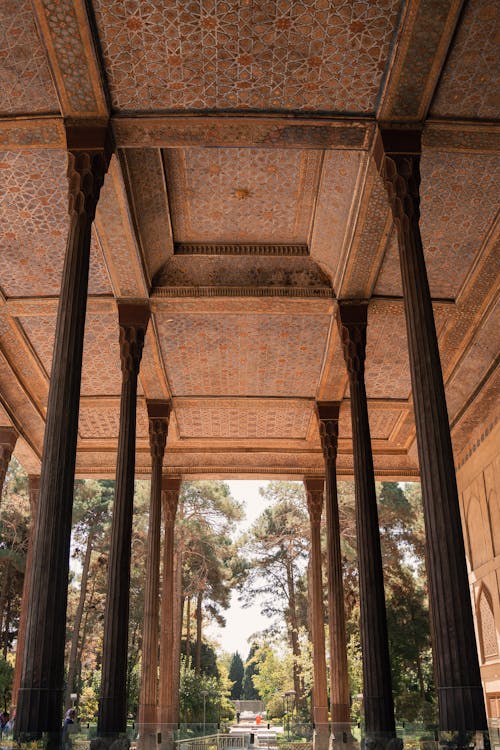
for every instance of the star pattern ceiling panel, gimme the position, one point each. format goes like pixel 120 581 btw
pixel 243 355
pixel 469 84
pixel 226 54
pixel 241 419
pixel 241 195
pixel 25 82
pixel 34 225
pixel 459 202
pixel 338 181
pixel 102 422
pixel 382 421
pixel 101 373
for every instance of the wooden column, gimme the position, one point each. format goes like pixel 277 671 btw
pixel 42 683
pixel 133 319
pixel 8 439
pixel 377 687
pixel 170 498
pixel 328 421
pixel 460 695
pixel 34 489
pixel 314 490
pixel 158 413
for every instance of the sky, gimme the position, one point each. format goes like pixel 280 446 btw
pixel 241 622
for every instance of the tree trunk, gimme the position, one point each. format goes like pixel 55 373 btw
pixel 78 620
pixel 188 631
pixel 199 623
pixel 6 627
pixel 294 632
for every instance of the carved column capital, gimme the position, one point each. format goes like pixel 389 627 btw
pixel 133 321
pixel 397 156
pixel 352 320
pixel 328 423
pixel 89 153
pixel 171 487
pixel 315 487
pixel 159 416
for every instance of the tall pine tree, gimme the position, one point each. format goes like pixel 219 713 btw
pixel 236 672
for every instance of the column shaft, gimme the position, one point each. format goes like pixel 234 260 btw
pixel 377 688
pixel 314 490
pixel 171 490
pixel 112 706
pixel 158 413
pixel 41 694
pixel 8 439
pixel 328 419
pixel 34 488
pixel 460 694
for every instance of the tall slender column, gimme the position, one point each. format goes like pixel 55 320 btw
pixel 460 695
pixel 42 684
pixel 314 490
pixel 8 439
pixel 377 689
pixel 159 413
pixel 133 319
pixel 170 497
pixel 34 488
pixel 328 420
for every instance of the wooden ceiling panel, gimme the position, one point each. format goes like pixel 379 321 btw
pixel 101 374
pixel 243 355
pixel 244 419
pixel 337 192
pixel 468 86
pixel 25 83
pixel 179 55
pixel 34 225
pixel 242 195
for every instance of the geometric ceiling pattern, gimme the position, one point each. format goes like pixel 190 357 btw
pixel 242 203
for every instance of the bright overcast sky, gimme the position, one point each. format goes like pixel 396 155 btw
pixel 241 622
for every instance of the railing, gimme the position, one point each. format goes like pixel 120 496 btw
pixel 215 742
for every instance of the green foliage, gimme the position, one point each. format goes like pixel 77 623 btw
pixel 192 685
pixel 88 705
pixel 249 691
pixel 6 676
pixel 274 671
pixel 236 672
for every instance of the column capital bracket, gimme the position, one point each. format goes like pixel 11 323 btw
pixel 352 319
pixel 133 320
pixel 315 488
pixel 328 424
pixel 396 141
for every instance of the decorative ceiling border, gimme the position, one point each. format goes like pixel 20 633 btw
pixel 241 291
pixel 193 248
pixel 25 132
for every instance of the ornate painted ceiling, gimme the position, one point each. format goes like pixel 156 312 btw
pixel 243 202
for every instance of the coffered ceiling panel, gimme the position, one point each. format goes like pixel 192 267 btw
pixel 469 83
pixel 25 82
pixel 244 419
pixel 101 374
pixel 243 355
pixel 34 225
pixel 241 195
pixel 225 54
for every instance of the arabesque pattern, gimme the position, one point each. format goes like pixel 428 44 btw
pixel 223 54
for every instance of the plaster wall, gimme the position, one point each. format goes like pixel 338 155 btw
pixel 479 489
